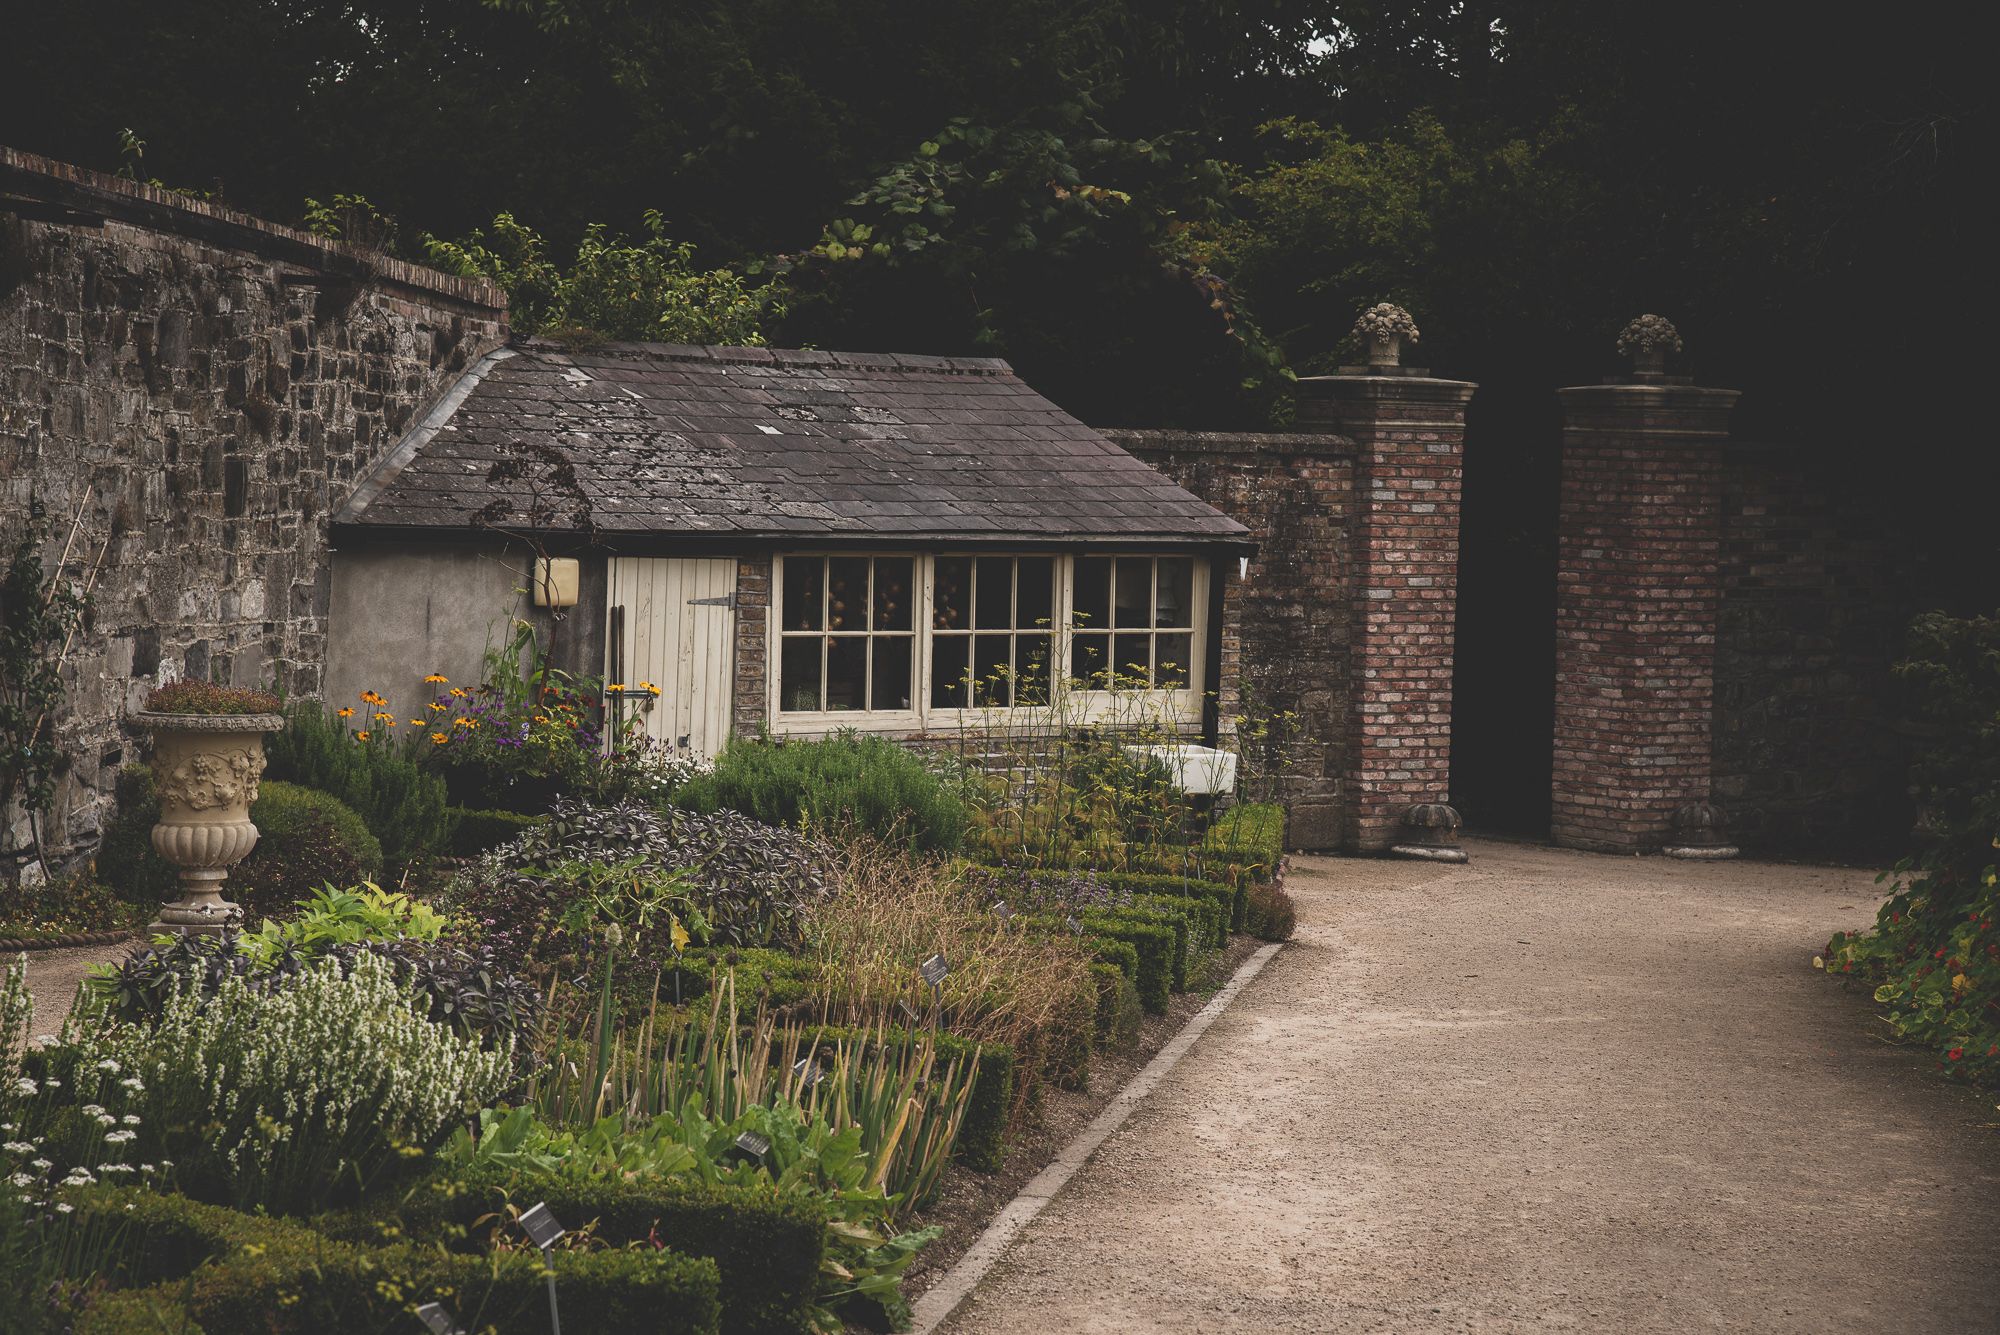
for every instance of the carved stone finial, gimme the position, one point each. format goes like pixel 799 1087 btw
pixel 1382 328
pixel 1647 341
pixel 1701 830
pixel 1430 831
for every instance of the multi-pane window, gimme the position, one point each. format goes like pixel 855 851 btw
pixel 992 630
pixel 920 635
pixel 847 633
pixel 1132 620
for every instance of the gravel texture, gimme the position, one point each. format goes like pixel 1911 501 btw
pixel 54 974
pixel 1548 1091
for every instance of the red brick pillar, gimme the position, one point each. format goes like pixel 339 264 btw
pixel 1638 593
pixel 1408 431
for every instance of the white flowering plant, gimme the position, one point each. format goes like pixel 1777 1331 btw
pixel 286 1099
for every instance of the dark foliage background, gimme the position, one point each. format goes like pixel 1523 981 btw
pixel 1083 187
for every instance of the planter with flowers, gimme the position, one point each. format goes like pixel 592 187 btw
pixel 208 755
pixel 1382 329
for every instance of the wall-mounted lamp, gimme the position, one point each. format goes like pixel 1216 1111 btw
pixel 555 581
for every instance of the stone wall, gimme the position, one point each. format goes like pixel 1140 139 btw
pixel 1285 624
pixel 1817 593
pixel 206 386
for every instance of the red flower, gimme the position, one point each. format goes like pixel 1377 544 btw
pixel 1955 1053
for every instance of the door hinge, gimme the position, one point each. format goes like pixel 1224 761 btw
pixel 725 600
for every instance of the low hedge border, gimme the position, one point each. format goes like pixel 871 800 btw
pixel 1224 894
pixel 207 1268
pixel 766 1248
pixel 476 831
pixel 1203 920
pixel 1153 938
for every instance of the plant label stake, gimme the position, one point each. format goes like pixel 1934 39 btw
pixel 908 1014
pixel 545 1232
pixel 933 971
pixel 1075 927
pixel 753 1146
pixel 808 1073
pixel 1003 913
pixel 439 1320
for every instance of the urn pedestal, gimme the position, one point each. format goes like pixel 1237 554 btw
pixel 206 768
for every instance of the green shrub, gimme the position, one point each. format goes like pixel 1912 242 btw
pixel 1117 1005
pixel 474 832
pixel 305 839
pixel 125 859
pixel 1271 913
pixel 767 1248
pixel 1154 940
pixel 1249 834
pixel 1120 955
pixel 843 783
pixel 401 802
pixel 767 977
pixel 1223 894
pixel 236 1272
pixel 1202 921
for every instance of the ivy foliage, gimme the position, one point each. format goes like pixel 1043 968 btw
pixel 38 612
pixel 647 289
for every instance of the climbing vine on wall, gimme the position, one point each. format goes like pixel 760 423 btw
pixel 39 613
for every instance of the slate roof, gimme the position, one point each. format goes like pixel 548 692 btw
pixel 770 443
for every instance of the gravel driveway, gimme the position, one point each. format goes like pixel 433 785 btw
pixel 1548 1091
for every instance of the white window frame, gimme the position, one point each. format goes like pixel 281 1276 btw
pixel 1075 705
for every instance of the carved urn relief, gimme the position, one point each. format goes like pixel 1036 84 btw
pixel 206 769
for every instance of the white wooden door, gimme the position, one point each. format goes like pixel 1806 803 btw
pixel 671 621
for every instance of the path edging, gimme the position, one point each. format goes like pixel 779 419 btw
pixel 942 1299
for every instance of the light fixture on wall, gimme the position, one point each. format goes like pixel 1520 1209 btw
pixel 555 581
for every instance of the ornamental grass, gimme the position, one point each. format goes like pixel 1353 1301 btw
pixel 1008 983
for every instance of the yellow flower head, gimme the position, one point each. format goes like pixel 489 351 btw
pixel 461 723
pixel 615 686
pixel 437 677
pixel 439 739
pixel 418 723
pixel 370 698
pixel 347 712
pixel 382 716
pixel 649 688
pixel 541 718
pixel 435 705
pixel 458 691
pixel 362 735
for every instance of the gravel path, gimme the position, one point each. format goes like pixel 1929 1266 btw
pixel 1548 1091
pixel 54 974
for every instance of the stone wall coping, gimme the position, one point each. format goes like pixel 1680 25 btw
pixel 61 192
pixel 1634 394
pixel 1433 388
pixel 1229 442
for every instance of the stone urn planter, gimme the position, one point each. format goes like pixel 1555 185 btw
pixel 1383 329
pixel 206 767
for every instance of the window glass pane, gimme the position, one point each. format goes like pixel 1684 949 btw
pixel 1176 591
pixel 996 593
pixel 1032 655
pixel 894 578
pixel 1135 592
pixel 892 672
pixel 1088 658
pixel 847 593
pixel 798 671
pixel 846 672
pixel 1092 606
pixel 1129 659
pixel 990 668
pixel 948 663
pixel 1173 656
pixel 951 604
pixel 803 594
pixel 1034 592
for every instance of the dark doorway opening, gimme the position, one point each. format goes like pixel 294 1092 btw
pixel 1503 685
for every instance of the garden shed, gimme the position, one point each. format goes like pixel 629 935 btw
pixel 786 540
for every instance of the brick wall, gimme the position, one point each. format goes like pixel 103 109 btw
pixel 1638 598
pixel 1409 437
pixel 1285 625
pixel 215 383
pixel 1817 590
pixel 750 698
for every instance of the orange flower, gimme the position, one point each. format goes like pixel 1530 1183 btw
pixel 361 736
pixel 439 739
pixel 541 718
pixel 382 716
pixel 418 723
pixel 461 723
pixel 348 712
pixel 437 677
pixel 435 705
pixel 371 698
pixel 458 691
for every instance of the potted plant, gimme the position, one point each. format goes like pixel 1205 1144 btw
pixel 1647 341
pixel 208 754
